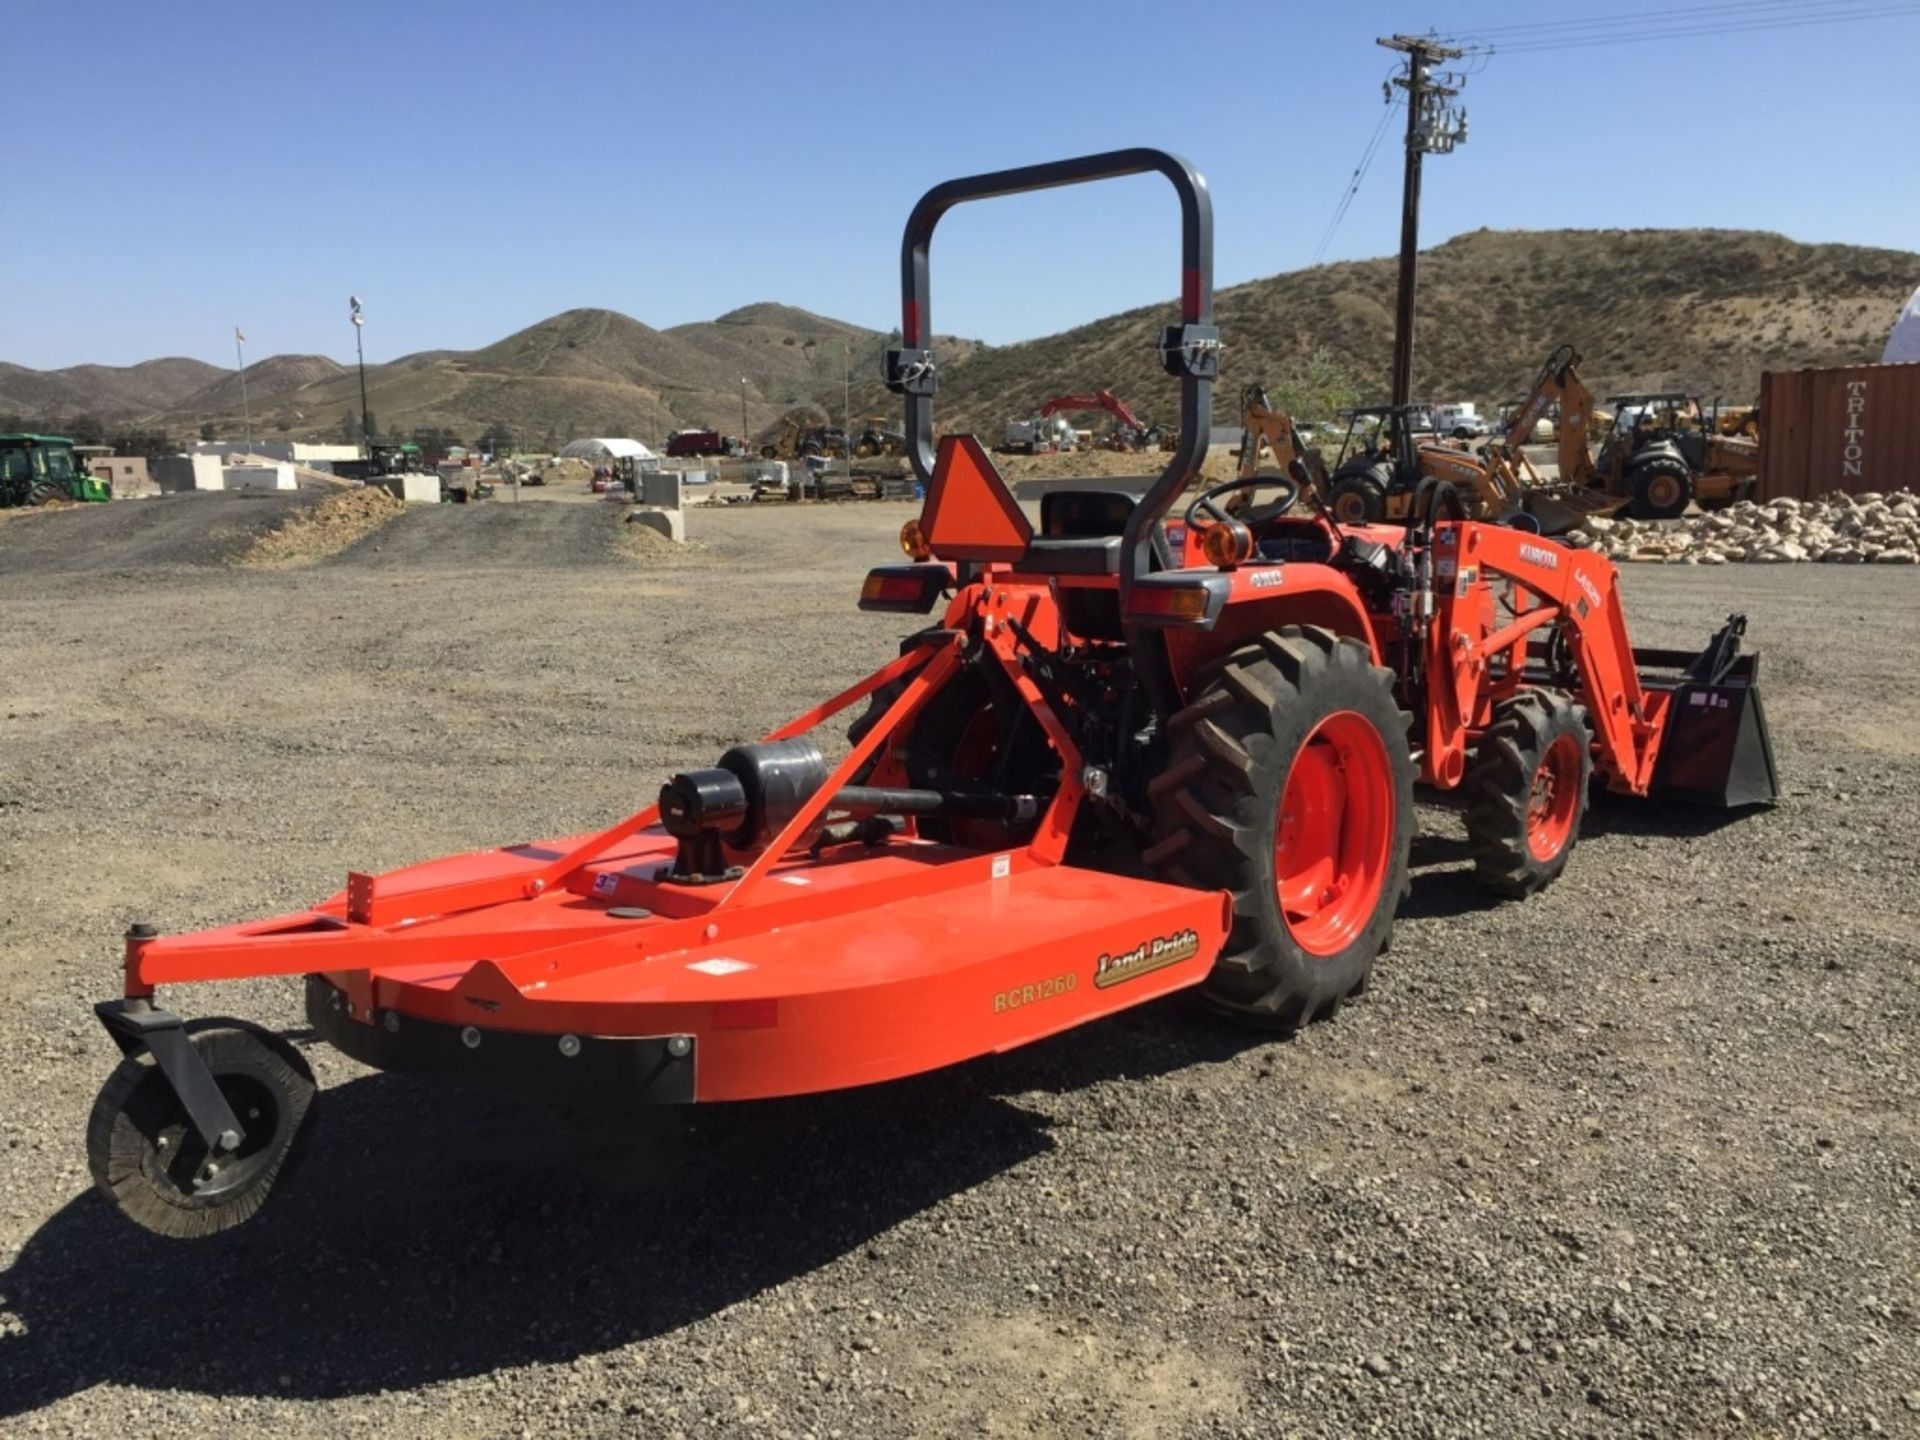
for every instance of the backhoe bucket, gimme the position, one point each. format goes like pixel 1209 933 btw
pixel 1563 510
pixel 1716 749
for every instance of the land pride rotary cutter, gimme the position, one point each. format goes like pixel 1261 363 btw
pixel 1134 756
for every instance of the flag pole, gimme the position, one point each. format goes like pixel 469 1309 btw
pixel 246 410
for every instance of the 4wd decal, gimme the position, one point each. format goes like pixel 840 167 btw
pixel 1146 957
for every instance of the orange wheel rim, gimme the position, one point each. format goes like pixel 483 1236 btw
pixel 1334 835
pixel 1553 799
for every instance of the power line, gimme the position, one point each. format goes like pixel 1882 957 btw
pixel 1685 29
pixel 1359 175
pixel 1672 12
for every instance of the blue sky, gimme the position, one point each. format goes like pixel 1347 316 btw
pixel 469 169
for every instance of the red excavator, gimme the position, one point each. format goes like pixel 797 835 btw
pixel 1130 432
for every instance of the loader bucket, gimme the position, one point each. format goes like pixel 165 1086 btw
pixel 1716 749
pixel 1561 511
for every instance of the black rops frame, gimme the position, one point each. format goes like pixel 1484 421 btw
pixel 1189 350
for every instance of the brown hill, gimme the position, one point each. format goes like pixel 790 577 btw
pixel 1703 310
pixel 583 372
pixel 267 380
pixel 111 392
pixel 790 354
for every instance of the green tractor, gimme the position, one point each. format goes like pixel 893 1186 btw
pixel 38 469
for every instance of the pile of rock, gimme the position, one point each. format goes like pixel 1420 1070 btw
pixel 1845 529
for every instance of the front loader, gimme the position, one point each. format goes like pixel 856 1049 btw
pixel 1120 755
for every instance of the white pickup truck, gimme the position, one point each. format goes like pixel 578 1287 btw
pixel 1459 422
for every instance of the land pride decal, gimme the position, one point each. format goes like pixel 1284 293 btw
pixel 1146 957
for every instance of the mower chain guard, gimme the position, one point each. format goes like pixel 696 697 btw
pixel 135 1026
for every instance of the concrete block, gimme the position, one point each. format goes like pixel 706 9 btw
pixel 661 489
pixel 260 477
pixel 416 489
pixel 670 523
pixel 189 472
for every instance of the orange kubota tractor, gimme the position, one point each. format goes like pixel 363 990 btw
pixel 1129 756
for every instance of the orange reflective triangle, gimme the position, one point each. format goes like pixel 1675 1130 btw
pixel 969 512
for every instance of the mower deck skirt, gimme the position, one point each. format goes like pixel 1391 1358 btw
pixel 838 972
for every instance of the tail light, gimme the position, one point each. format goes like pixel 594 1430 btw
pixel 1177 600
pixel 904 589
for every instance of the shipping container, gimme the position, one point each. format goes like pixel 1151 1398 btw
pixel 1854 429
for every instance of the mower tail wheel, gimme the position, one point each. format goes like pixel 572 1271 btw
pixel 1526 791
pixel 1289 784
pixel 148 1159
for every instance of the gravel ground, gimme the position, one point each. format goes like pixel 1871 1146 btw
pixel 1637 1156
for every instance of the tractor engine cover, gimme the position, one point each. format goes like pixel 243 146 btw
pixel 778 778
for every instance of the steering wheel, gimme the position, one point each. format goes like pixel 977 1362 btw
pixel 1206 502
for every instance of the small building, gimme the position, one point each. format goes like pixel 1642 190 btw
pixel 126 473
pixel 622 454
pixel 296 452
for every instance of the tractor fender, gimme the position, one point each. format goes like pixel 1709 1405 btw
pixel 1265 597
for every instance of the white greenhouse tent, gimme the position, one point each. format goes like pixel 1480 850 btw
pixel 1904 343
pixel 602 450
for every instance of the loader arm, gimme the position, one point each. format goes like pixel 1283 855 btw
pixel 1474 657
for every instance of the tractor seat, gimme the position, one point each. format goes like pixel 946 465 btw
pixel 1071 555
pixel 1080 533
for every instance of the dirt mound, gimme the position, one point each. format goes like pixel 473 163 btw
pixel 210 527
pixel 499 535
pixel 328 528
pixel 640 542
pixel 1099 464
pixel 567 470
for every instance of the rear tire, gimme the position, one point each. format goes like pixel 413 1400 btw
pixel 1289 784
pixel 1358 498
pixel 1661 488
pixel 1526 792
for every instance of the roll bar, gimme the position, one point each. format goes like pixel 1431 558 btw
pixel 1189 350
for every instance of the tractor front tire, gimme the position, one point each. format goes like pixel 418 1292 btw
pixel 1661 488
pixel 1359 498
pixel 1289 784
pixel 1526 791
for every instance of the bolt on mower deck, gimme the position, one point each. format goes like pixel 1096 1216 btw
pixel 1134 754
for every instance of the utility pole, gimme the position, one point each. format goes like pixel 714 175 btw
pixel 366 422
pixel 240 357
pixel 1433 128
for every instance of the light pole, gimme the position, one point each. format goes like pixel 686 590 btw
pixel 366 424
pixel 744 437
pixel 240 357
